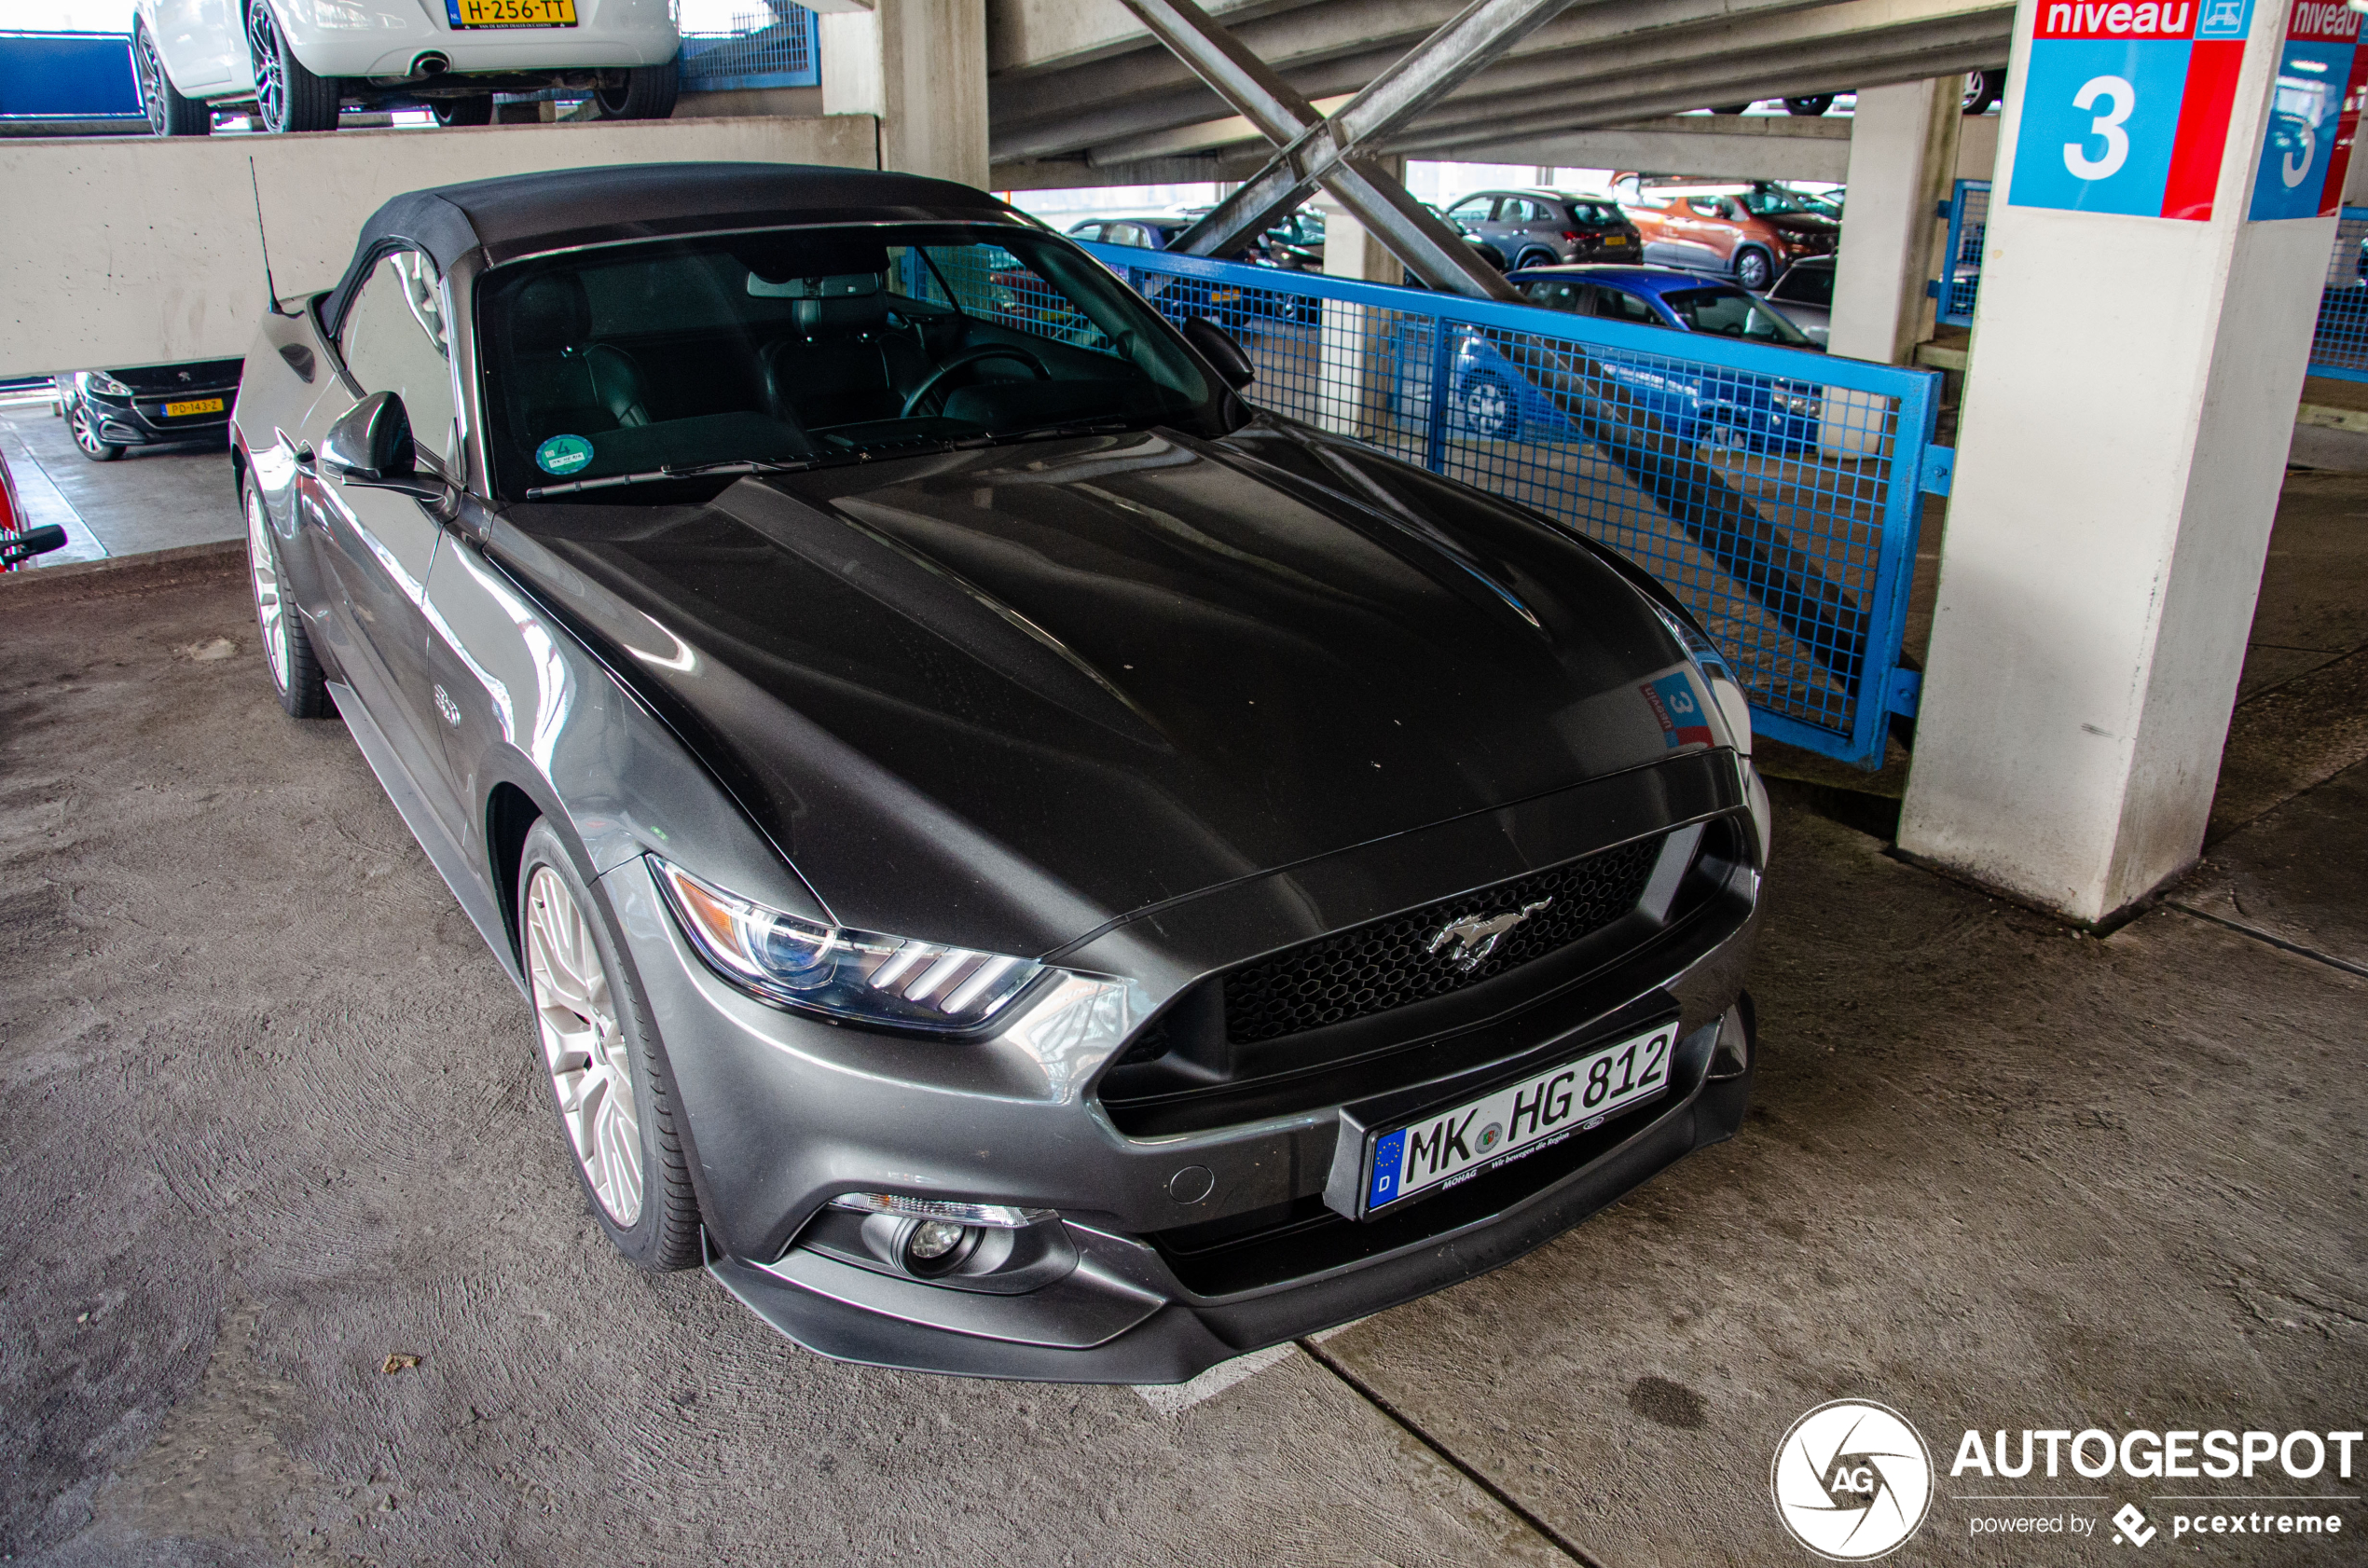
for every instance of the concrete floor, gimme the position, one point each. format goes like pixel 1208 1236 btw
pixel 152 497
pixel 271 1115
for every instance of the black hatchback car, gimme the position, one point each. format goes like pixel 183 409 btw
pixel 1022 863
pixel 1540 228
pixel 156 405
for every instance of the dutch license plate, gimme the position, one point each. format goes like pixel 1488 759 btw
pixel 1495 1129
pixel 194 405
pixel 1614 239
pixel 511 13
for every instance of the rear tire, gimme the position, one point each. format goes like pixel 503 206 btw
pixel 287 652
pixel 1730 109
pixel 288 98
pixel 1812 105
pixel 476 109
pixel 608 1077
pixel 649 93
pixel 169 113
pixel 1533 258
pixel 1982 90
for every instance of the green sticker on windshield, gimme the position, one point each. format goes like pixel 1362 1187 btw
pixel 563 454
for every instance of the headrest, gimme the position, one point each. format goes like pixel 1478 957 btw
pixel 550 313
pixel 837 286
pixel 845 315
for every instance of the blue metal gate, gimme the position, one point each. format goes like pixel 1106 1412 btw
pixel 1775 491
pixel 770 43
pixel 1961 272
pixel 2339 348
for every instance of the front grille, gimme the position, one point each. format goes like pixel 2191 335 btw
pixel 1408 958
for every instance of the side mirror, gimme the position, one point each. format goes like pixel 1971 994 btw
pixel 1218 347
pixel 370 446
pixel 372 442
pixel 15 548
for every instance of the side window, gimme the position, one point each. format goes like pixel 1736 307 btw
pixel 1713 207
pixel 991 283
pixel 1124 234
pixel 1622 306
pixel 395 340
pixel 1086 231
pixel 1472 209
pixel 1555 293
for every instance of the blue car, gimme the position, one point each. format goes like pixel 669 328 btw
pixel 1498 399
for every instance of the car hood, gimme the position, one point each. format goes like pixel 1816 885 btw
pixel 1803 225
pixel 1006 696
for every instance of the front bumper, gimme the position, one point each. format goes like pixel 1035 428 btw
pixel 782 1112
pixel 141 421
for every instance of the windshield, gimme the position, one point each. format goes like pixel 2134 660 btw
pixel 814 345
pixel 1732 313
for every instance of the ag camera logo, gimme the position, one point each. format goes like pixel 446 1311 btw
pixel 1852 1480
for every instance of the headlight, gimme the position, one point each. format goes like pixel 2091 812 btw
pixel 107 386
pixel 1724 690
pixel 859 976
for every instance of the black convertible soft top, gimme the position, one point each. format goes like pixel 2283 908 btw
pixel 523 213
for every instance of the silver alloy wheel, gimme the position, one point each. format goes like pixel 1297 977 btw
pixel 86 431
pixel 1487 410
pixel 271 68
pixel 152 81
pixel 590 1064
pixel 270 609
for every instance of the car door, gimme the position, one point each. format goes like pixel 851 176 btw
pixel 1478 214
pixel 380 544
pixel 1713 230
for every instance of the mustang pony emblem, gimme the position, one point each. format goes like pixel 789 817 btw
pixel 1476 938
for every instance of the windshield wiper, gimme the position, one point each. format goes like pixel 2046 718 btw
pixel 1041 432
pixel 653 475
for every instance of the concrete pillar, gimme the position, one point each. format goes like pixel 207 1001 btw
pixel 920 67
pixel 2118 468
pixel 1903 164
pixel 1351 396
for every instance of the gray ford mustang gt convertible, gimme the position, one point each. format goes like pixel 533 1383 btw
pixel 1023 863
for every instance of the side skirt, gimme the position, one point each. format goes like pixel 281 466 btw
pixel 443 853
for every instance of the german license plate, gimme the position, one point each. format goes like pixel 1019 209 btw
pixel 194 406
pixel 1480 1134
pixel 510 13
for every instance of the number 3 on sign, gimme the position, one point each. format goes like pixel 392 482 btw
pixel 2121 98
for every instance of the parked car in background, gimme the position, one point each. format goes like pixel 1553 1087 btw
pixel 1498 396
pixel 297 62
pixel 1714 228
pixel 1805 296
pixel 1151 231
pixel 1539 227
pixel 19 542
pixel 108 410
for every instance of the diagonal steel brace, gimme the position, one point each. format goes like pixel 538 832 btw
pixel 1326 152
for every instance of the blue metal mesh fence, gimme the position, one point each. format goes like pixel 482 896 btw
pixel 1960 273
pixel 768 44
pixel 2339 348
pixel 1775 491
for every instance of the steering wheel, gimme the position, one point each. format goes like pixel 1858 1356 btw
pixel 966 357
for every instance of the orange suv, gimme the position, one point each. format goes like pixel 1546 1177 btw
pixel 1745 232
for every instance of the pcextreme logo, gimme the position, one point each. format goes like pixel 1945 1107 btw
pixel 1852 1480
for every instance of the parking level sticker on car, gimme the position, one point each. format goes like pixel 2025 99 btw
pixel 1498 1128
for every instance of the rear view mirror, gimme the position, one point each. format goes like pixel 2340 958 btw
pixel 1218 347
pixel 371 442
pixel 19 548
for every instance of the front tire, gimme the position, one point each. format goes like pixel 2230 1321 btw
pixel 1982 90
pixel 1488 411
pixel 288 98
pixel 1754 271
pixel 169 113
pixel 287 652
pixel 649 93
pixel 599 1049
pixel 1812 105
pixel 86 434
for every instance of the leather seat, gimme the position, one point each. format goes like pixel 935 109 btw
pixel 560 382
pixel 843 362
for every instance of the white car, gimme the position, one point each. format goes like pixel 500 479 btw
pixel 299 61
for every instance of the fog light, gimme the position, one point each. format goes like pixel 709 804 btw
pixel 929 1247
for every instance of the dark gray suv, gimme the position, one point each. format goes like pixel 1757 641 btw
pixel 1540 228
